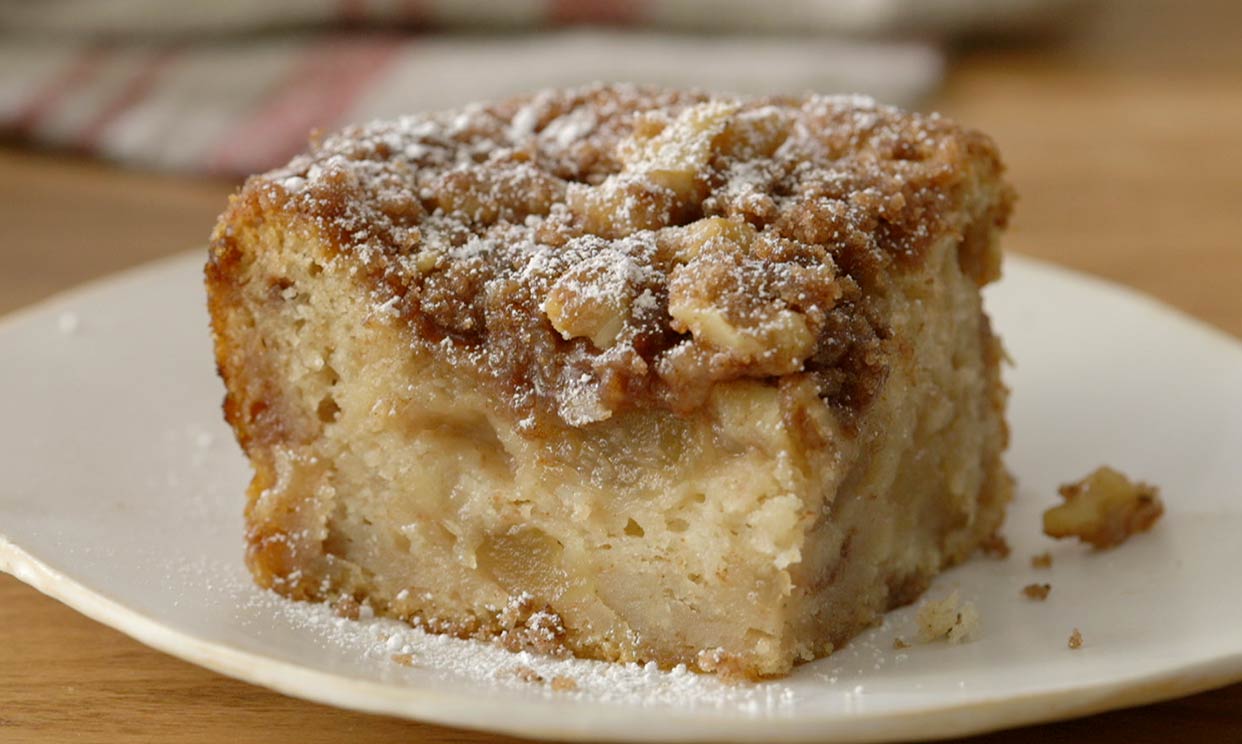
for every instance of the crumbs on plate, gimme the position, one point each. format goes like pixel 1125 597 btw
pixel 1037 592
pixel 948 619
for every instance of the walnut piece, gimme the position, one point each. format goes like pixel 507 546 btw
pixel 683 243
pixel 1104 509
pixel 663 164
pixel 778 333
pixel 739 303
pixel 675 155
pixel 594 299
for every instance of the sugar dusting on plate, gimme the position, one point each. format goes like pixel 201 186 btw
pixel 68 322
pixel 404 651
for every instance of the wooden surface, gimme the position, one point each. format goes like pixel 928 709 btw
pixel 1124 141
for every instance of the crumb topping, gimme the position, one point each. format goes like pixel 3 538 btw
pixel 599 248
pixel 1104 509
pixel 1041 560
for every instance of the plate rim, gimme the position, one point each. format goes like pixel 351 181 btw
pixel 427 704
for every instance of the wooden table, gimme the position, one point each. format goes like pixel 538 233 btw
pixel 1124 140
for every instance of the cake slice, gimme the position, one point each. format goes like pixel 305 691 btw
pixel 627 373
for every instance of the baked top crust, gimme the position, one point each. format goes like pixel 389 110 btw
pixel 591 250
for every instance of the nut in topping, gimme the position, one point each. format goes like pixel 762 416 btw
pixel 754 133
pixel 662 172
pixel 622 205
pixel 684 243
pixel 780 333
pixel 594 299
pixel 768 326
pixel 677 155
pixel 426 260
pixel 575 315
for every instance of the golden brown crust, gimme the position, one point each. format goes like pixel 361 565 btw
pixel 581 251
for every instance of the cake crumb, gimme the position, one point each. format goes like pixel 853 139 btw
pixel 1037 592
pixel 1075 639
pixel 406 660
pixel 347 607
pixel 527 674
pixel 562 683
pixel 1104 509
pixel 724 665
pixel 900 643
pixel 532 626
pixel 948 619
pixel 995 546
pixel 1042 560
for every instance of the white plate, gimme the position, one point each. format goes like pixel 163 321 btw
pixel 122 489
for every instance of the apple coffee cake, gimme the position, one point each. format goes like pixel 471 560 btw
pixel 628 373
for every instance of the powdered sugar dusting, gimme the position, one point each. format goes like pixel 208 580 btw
pixel 564 131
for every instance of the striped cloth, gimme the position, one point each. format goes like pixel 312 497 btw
pixel 232 87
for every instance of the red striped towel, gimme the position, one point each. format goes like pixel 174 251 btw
pixel 233 88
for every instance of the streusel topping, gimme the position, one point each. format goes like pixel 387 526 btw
pixel 612 246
